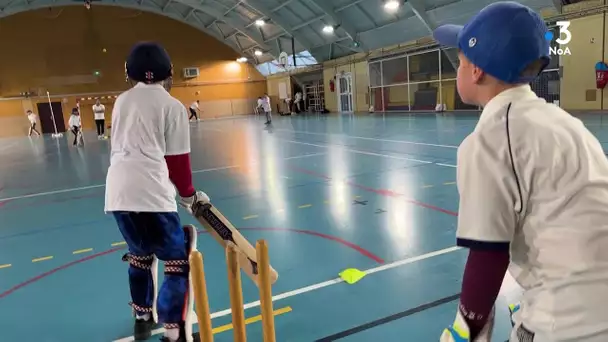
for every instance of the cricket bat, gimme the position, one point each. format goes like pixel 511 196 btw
pixel 226 234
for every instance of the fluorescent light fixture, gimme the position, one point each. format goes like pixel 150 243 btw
pixel 258 52
pixel 260 22
pixel 241 59
pixel 391 5
pixel 328 29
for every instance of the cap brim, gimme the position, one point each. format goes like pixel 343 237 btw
pixel 447 35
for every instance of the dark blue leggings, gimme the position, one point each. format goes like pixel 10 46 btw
pixel 160 235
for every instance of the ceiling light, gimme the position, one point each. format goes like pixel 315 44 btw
pixel 391 5
pixel 260 22
pixel 258 52
pixel 328 29
pixel 241 59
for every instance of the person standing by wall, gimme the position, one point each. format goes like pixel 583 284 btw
pixel 267 108
pixel 32 117
pixel 99 111
pixel 194 110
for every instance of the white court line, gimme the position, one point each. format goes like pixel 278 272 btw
pixel 318 286
pixel 367 153
pixel 39 194
pixel 373 139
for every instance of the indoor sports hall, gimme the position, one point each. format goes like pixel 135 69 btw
pixel 356 172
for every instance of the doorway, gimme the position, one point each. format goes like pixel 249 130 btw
pixel 345 93
pixel 46 117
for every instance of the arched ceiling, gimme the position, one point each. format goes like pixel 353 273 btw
pixel 360 25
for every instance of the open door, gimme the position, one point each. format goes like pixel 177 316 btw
pixel 46 117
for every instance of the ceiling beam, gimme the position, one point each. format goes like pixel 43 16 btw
pixel 282 23
pixel 23 7
pixel 558 4
pixel 418 7
pixel 326 7
pixel 235 23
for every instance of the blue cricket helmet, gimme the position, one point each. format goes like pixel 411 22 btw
pixel 149 62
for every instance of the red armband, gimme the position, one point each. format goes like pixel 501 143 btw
pixel 180 174
pixel 483 276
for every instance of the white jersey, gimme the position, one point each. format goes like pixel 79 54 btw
pixel 32 118
pixel 194 105
pixel 99 111
pixel 260 102
pixel 534 180
pixel 74 121
pixel 147 125
pixel 266 104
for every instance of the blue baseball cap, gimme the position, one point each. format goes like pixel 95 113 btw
pixel 502 39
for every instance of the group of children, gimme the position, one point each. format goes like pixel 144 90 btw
pixel 75 122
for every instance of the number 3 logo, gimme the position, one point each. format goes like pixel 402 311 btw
pixel 563 31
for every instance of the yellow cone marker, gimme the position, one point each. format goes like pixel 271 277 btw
pixel 351 275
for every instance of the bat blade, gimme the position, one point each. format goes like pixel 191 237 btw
pixel 226 235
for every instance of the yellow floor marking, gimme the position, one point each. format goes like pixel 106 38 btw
pixel 427 186
pixel 250 217
pixel 305 206
pixel 122 243
pixel 83 251
pixel 357 196
pixel 449 183
pixel 5 266
pixel 42 259
pixel 250 320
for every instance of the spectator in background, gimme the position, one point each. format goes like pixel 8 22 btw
pixel 298 102
pixel 260 107
pixel 267 108
pixel 32 117
pixel 194 110
pixel 100 119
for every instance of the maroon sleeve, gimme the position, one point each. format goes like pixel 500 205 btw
pixel 483 277
pixel 180 173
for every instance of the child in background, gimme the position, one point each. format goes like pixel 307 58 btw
pixel 100 119
pixel 32 117
pixel 267 108
pixel 75 124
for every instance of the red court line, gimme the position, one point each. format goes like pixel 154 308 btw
pixel 55 270
pixel 382 192
pixel 359 249
pixel 115 249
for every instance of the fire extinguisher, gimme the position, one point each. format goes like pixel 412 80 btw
pixel 332 86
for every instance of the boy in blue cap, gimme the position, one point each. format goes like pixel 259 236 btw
pixel 533 185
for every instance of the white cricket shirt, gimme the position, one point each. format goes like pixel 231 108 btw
pixel 99 111
pixel 549 207
pixel 32 118
pixel 74 121
pixel 194 105
pixel 266 104
pixel 147 125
